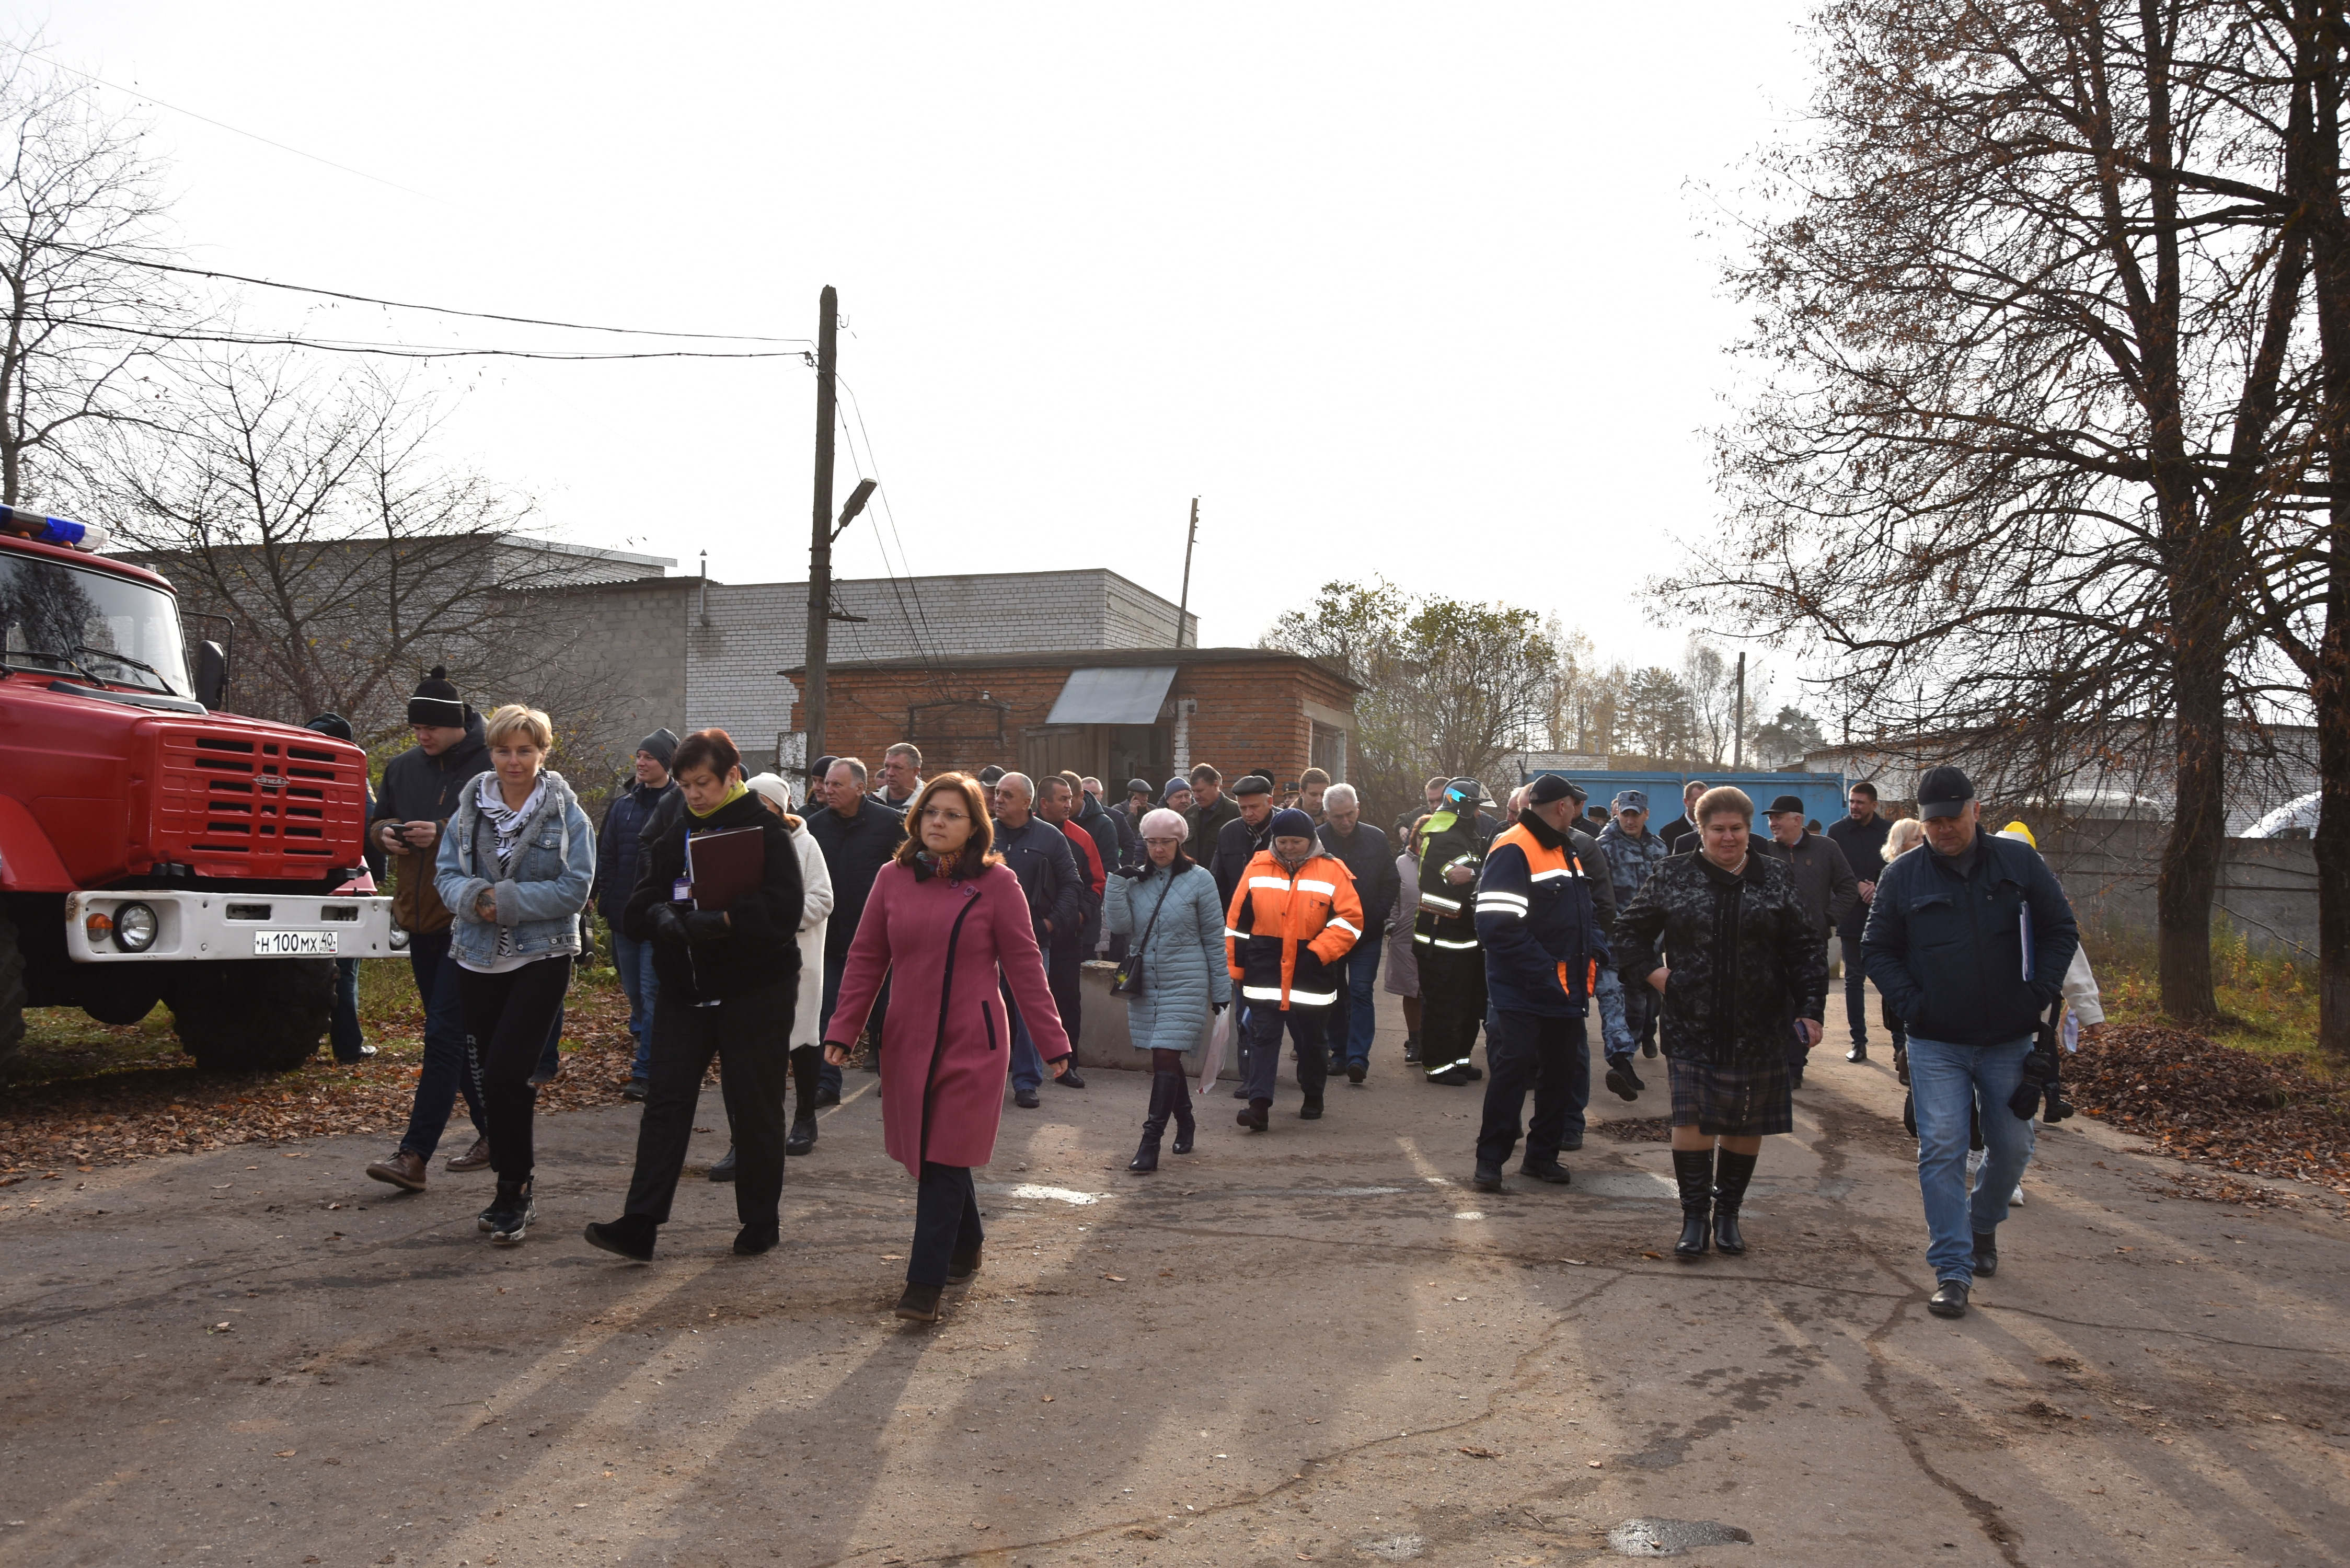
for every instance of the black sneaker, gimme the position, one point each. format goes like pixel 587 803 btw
pixel 508 1217
pixel 1859 1052
pixel 1622 1080
pixel 724 1170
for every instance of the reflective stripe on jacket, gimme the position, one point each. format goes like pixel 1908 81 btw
pixel 1445 919
pixel 1538 920
pixel 1285 928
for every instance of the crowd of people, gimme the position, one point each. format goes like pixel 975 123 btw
pixel 935 931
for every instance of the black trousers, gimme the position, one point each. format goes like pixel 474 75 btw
pixel 1451 1003
pixel 506 1020
pixel 1856 997
pixel 1552 1057
pixel 750 1035
pixel 1305 1025
pixel 946 1221
pixel 1063 969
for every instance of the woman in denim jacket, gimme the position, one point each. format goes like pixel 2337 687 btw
pixel 515 869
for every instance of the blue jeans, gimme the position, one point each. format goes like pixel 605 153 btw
pixel 634 959
pixel 1027 1063
pixel 1354 1022
pixel 343 1028
pixel 446 1073
pixel 1945 1083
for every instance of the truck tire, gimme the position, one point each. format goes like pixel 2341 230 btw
pixel 256 1016
pixel 12 995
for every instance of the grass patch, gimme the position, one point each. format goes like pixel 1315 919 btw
pixel 2268 1004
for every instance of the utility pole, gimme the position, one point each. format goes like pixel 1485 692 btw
pixel 1183 604
pixel 1738 720
pixel 819 602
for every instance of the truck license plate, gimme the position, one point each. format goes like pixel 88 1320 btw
pixel 296 944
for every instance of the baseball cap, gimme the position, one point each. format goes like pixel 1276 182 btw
pixel 1944 792
pixel 1629 800
pixel 1548 788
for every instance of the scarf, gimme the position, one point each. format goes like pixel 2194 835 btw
pixel 734 791
pixel 505 821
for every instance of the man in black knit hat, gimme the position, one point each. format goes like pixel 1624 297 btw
pixel 421 790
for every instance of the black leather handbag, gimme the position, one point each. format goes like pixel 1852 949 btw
pixel 1127 981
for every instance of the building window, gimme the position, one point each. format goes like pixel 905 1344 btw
pixel 1329 751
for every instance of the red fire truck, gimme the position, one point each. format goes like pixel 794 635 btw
pixel 153 848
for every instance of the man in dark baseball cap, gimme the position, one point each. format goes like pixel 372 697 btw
pixel 1968 943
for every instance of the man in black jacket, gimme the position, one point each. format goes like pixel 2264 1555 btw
pixel 1364 851
pixel 1684 826
pixel 1210 808
pixel 1039 854
pixel 1821 876
pixel 625 821
pixel 1244 837
pixel 1861 837
pixel 857 836
pixel 420 794
pixel 1967 939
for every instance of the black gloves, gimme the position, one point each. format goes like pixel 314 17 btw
pixel 705 926
pixel 668 930
pixel 2039 1077
pixel 1130 872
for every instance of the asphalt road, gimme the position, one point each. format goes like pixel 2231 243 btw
pixel 1315 1344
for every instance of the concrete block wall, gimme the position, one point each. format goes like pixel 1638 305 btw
pixel 635 652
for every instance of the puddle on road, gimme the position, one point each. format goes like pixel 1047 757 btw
pixel 1670 1537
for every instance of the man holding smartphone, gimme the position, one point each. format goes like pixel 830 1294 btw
pixel 420 794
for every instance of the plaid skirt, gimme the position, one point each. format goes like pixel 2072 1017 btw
pixel 1749 1100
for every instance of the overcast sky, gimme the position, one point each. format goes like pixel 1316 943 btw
pixel 1386 287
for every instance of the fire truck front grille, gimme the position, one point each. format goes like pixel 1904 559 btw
pixel 256 806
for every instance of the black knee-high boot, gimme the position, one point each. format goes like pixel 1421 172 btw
pixel 1693 1169
pixel 807 1064
pixel 1730 1174
pixel 1179 1097
pixel 1145 1155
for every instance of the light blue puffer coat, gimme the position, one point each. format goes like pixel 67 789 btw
pixel 1183 970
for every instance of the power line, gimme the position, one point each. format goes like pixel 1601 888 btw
pixel 432 309
pixel 233 129
pixel 918 624
pixel 432 352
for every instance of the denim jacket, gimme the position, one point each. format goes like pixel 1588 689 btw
pixel 544 888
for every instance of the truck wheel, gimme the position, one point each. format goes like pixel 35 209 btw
pixel 257 1015
pixel 12 994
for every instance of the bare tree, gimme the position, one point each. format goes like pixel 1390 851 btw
pixel 310 511
pixel 81 206
pixel 2030 402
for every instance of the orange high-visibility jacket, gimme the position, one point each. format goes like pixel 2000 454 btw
pixel 1285 928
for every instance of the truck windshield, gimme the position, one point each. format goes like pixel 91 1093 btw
pixel 61 617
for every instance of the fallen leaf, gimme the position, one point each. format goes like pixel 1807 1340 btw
pixel 1115 1279
pixel 1481 1453
pixel 1593 1463
pixel 1048 1398
pixel 220 1328
pixel 285 1453
pixel 1652 1254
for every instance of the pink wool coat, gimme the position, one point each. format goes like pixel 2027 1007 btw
pixel 947 1047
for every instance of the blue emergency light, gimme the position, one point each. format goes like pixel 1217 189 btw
pixel 44 530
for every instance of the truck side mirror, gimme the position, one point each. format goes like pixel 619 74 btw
pixel 212 674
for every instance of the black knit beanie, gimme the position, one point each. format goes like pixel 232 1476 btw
pixel 436 701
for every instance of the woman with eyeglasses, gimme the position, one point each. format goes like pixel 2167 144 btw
pixel 1167 908
pixel 947 924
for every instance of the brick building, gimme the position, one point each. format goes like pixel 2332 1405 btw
pixel 1139 712
pixel 686 652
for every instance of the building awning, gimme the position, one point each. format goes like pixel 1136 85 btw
pixel 1112 696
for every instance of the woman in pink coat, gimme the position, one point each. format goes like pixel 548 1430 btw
pixel 943 917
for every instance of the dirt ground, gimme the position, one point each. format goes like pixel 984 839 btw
pixel 1313 1344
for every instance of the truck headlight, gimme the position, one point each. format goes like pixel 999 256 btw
pixel 135 927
